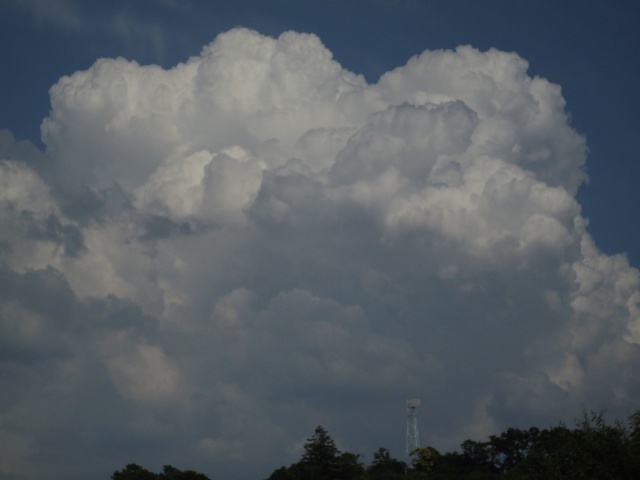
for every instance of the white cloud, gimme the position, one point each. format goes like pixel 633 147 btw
pixel 29 220
pixel 264 242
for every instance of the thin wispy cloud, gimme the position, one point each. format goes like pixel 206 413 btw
pixel 62 14
pixel 137 35
pixel 136 32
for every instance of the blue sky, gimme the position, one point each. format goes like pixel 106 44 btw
pixel 225 223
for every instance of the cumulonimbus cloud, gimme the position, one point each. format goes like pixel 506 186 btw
pixel 257 241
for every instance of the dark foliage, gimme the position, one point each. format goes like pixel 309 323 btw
pixel 322 461
pixel 592 450
pixel 136 472
pixel 385 467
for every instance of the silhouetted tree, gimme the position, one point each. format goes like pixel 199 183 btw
pixel 322 460
pixel 424 459
pixel 320 449
pixel 136 472
pixel 592 450
pixel 133 472
pixel 385 467
pixel 172 473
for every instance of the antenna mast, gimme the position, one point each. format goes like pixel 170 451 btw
pixel 413 441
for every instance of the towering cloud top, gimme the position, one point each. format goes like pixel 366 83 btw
pixel 259 232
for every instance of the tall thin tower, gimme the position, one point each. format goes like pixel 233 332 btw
pixel 413 441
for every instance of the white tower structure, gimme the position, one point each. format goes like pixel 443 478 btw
pixel 413 441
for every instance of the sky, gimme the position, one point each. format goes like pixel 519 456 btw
pixel 224 225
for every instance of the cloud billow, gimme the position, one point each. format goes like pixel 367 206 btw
pixel 271 243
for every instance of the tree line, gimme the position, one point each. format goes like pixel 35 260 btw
pixel 592 449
